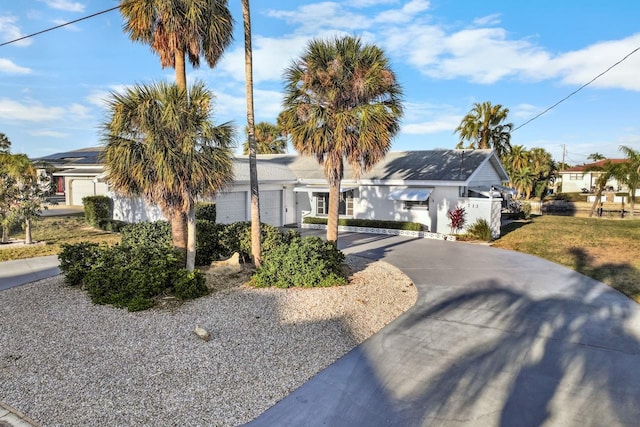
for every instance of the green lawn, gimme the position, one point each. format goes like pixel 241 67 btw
pixel 54 231
pixel 605 249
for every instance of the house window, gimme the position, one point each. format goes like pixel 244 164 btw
pixel 576 176
pixel 345 207
pixel 421 204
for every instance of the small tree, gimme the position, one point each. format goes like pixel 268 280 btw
pixel 457 219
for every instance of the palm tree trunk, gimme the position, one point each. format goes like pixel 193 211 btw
pixel 27 232
pixel 181 70
pixel 179 233
pixel 5 234
pixel 334 212
pixel 191 238
pixel 253 169
pixel 596 201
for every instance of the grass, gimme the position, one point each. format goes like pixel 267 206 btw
pixel 607 250
pixel 54 231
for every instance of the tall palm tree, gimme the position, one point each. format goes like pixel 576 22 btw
pixel 517 158
pixel 161 144
pixel 5 144
pixel 269 140
pixel 596 156
pixel 630 174
pixel 483 128
pixel 607 170
pixel 342 102
pixel 523 180
pixel 253 167
pixel 176 29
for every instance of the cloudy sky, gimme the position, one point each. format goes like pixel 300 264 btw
pixel 447 55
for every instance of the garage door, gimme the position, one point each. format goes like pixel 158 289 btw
pixel 81 188
pixel 231 207
pixel 271 207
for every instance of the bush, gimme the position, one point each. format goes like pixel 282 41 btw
pixel 96 208
pixel 147 233
pixel 373 223
pixel 77 260
pixel 189 284
pixel 480 230
pixel 525 210
pixel 132 276
pixel 112 225
pixel 206 211
pixel 236 237
pixel 457 219
pixel 208 247
pixel 303 262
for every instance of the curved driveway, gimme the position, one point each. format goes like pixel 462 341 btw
pixel 496 338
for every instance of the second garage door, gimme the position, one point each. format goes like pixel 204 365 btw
pixel 231 207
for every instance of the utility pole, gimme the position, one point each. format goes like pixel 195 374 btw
pixel 563 151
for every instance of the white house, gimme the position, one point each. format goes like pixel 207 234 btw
pixel 417 186
pixel 584 177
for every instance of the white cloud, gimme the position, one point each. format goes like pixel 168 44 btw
pixel 9 67
pixel 403 15
pixel 10 31
pixel 524 111
pixel 66 5
pixel 34 111
pixel 483 21
pixel 423 119
pixel 49 133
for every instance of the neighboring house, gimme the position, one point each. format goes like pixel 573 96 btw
pixel 580 178
pixel 75 174
pixel 418 186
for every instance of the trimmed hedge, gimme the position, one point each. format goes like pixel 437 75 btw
pixel 206 211
pixel 236 237
pixel 96 208
pixel 373 223
pixel 303 262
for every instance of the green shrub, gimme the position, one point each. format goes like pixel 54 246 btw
pixel 303 262
pixel 96 208
pixel 236 237
pixel 189 284
pixel 208 247
pixel 373 223
pixel 77 260
pixel 112 225
pixel 132 276
pixel 147 233
pixel 206 211
pixel 480 230
pixel 525 210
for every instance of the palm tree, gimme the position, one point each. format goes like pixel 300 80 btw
pixel 483 128
pixel 269 140
pixel 176 29
pixel 517 158
pixel 5 144
pixel 607 171
pixel 630 174
pixel 253 167
pixel 342 102
pixel 160 144
pixel 543 168
pixel 523 180
pixel 596 156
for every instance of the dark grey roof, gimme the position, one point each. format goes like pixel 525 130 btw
pixel 427 165
pixel 83 156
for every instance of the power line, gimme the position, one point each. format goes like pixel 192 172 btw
pixel 579 89
pixel 60 26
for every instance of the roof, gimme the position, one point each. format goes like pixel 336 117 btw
pixel 456 166
pixel 593 166
pixel 427 165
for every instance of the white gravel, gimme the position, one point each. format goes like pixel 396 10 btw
pixel 67 362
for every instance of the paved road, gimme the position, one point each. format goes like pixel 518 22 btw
pixel 497 338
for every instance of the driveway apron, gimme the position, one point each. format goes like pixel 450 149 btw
pixel 496 338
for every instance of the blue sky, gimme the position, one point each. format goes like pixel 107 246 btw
pixel 446 54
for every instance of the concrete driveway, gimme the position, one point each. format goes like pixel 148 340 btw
pixel 497 338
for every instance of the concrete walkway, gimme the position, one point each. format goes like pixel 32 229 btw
pixel 21 271
pixel 496 338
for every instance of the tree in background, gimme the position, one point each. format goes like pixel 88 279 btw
pixel 530 171
pixel 342 102
pixel 8 186
pixel 5 144
pixel 629 174
pixel 607 171
pixel 483 127
pixel 161 144
pixel 269 140
pixel 596 156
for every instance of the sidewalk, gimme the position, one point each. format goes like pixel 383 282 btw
pixel 21 271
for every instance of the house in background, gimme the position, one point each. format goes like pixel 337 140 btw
pixel 584 177
pixel 417 186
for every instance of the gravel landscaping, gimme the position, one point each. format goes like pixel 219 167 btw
pixel 67 362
